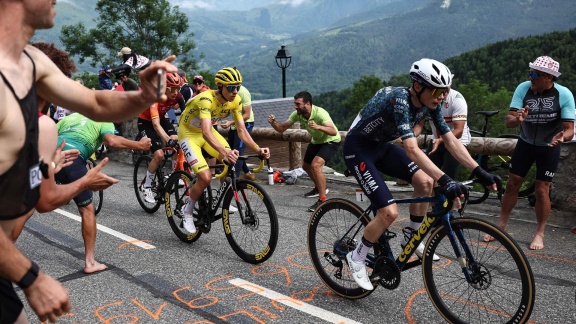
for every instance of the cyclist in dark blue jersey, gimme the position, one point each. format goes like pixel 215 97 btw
pixel 400 112
pixel 544 110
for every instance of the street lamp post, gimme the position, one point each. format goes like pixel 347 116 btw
pixel 283 60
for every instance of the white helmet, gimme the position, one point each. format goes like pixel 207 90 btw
pixel 431 73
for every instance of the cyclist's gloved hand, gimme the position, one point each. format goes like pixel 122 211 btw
pixel 484 177
pixel 172 142
pixel 452 189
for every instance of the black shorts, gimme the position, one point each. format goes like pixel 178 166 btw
pixel 72 173
pixel 325 151
pixel 366 159
pixel 10 304
pixel 148 128
pixel 526 154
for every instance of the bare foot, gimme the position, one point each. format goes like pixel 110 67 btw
pixel 92 267
pixel 488 238
pixel 538 242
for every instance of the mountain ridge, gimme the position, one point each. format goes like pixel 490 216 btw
pixel 380 37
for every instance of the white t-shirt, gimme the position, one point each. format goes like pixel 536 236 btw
pixel 454 107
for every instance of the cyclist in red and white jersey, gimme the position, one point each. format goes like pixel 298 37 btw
pixel 159 129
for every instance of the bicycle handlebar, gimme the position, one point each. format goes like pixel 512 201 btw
pixel 224 172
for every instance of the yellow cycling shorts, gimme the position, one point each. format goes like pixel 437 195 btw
pixel 192 144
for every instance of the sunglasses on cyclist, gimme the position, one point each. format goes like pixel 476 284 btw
pixel 437 92
pixel 173 89
pixel 534 75
pixel 231 88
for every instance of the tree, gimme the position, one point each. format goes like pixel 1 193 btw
pixel 152 28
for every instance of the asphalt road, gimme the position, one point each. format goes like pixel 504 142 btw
pixel 155 278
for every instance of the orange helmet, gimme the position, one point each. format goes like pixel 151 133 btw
pixel 173 80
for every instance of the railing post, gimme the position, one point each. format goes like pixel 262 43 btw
pixel 295 153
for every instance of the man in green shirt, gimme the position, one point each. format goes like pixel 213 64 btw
pixel 322 147
pixel 86 135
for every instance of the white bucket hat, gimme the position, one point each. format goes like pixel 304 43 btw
pixel 547 65
pixel 125 50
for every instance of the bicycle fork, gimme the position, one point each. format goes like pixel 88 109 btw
pixel 457 240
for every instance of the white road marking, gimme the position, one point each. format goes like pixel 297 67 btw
pixel 110 231
pixel 291 302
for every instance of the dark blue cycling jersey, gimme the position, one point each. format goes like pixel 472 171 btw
pixel 390 114
pixel 546 112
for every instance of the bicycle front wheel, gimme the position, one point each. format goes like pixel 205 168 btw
pixel 139 177
pixel 501 288
pixel 252 231
pixel 333 231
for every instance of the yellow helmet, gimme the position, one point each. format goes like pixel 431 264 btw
pixel 228 76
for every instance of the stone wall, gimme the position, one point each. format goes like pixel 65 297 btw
pixel 563 195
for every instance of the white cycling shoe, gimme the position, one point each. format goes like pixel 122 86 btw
pixel 359 273
pixel 188 222
pixel 148 195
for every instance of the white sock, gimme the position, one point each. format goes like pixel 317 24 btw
pixel 149 177
pixel 361 251
pixel 189 208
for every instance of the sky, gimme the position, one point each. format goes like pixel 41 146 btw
pixel 232 4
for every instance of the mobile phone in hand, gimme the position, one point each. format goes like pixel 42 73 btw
pixel 160 74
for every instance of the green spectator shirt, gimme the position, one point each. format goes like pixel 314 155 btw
pixel 246 99
pixel 82 133
pixel 319 116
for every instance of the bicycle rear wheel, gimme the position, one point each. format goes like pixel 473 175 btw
pixel 502 288
pixel 97 196
pixel 252 231
pixel 139 177
pixel 500 165
pixel 175 198
pixel 328 244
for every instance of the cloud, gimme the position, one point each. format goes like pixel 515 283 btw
pixel 445 4
pixel 194 4
pixel 294 3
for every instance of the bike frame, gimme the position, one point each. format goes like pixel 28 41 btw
pixel 229 183
pixel 402 261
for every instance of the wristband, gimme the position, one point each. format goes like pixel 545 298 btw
pixel 29 277
pixel 444 179
pixel 256 147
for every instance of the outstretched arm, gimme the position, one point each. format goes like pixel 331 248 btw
pixel 121 143
pixel 52 195
pixel 99 105
pixel 279 127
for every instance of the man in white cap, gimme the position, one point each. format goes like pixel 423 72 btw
pixel 544 110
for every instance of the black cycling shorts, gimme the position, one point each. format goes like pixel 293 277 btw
pixel 148 128
pixel 325 151
pixel 72 173
pixel 10 304
pixel 366 159
pixel 526 154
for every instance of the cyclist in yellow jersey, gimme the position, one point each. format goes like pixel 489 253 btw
pixel 195 132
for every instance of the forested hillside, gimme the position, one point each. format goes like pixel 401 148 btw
pixel 486 77
pixel 333 58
